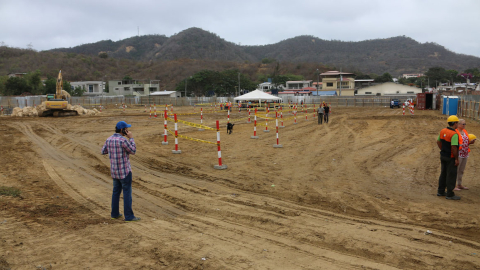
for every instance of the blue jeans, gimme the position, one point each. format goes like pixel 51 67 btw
pixel 126 185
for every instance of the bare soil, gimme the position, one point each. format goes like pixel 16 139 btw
pixel 356 193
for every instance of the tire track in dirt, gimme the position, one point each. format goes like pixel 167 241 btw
pixel 103 187
pixel 228 228
pixel 66 187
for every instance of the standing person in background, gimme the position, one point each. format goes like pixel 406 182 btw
pixel 327 112
pixel 119 150
pixel 321 111
pixel 447 141
pixel 464 143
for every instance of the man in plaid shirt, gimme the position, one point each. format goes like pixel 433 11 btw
pixel 119 150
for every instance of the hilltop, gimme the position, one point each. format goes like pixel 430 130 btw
pixel 395 55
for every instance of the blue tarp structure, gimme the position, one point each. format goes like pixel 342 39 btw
pixel 324 93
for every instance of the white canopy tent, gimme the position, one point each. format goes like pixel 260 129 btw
pixel 257 95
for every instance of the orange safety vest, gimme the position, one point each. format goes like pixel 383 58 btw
pixel 460 139
pixel 446 135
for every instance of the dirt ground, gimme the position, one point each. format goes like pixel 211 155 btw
pixel 356 193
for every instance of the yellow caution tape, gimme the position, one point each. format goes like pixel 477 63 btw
pixel 183 113
pixel 190 138
pixel 190 124
pixel 271 118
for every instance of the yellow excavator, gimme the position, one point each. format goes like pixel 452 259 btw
pixel 56 104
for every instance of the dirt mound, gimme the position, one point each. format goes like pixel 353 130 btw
pixel 38 110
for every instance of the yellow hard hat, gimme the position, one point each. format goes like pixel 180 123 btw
pixel 452 118
pixel 471 137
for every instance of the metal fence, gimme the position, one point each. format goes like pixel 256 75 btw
pixel 91 102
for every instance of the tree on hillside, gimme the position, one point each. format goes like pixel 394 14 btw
pixel 475 74
pixel 34 82
pixel 436 75
pixel 15 86
pixel 223 83
pixel 362 77
pixel 77 91
pixel 67 87
pixel 50 86
pixel 3 80
pixel 386 77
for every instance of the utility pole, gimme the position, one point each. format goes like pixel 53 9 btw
pixel 341 78
pixel 186 80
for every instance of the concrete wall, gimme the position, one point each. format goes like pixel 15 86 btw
pixel 386 89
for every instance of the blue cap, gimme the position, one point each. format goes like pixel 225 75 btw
pixel 122 124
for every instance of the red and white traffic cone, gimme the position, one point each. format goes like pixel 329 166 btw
pixel 248 122
pixel 220 166
pixel 201 119
pixel 228 117
pixel 155 110
pixel 255 126
pixel 150 111
pixel 295 114
pixel 314 114
pixel 176 151
pixel 266 124
pixel 276 124
pixel 281 117
pixel 403 109
pixel 165 116
pixel 306 113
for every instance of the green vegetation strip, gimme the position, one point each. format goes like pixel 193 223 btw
pixel 9 191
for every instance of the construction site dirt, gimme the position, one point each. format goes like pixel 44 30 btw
pixel 356 193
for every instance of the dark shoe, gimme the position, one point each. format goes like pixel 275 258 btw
pixel 453 198
pixel 441 194
pixel 119 216
pixel 134 219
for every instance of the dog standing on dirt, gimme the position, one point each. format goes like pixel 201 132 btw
pixel 230 128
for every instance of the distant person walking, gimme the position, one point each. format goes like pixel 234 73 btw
pixel 464 149
pixel 321 111
pixel 327 112
pixel 392 103
pixel 447 141
pixel 119 150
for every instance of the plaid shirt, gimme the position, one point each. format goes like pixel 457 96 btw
pixel 119 150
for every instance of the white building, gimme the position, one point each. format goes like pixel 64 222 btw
pixel 412 75
pixel 268 86
pixel 91 88
pixel 166 93
pixel 292 85
pixel 389 89
pixel 132 88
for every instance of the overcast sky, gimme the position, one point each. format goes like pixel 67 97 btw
pixel 48 24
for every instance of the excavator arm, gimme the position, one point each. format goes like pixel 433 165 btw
pixel 58 94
